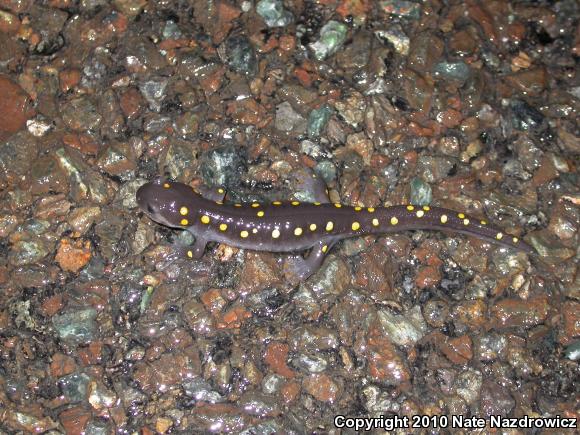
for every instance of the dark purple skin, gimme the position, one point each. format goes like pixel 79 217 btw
pixel 289 226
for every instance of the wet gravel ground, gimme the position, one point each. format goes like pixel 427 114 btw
pixel 467 105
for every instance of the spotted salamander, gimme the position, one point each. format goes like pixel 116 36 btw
pixel 289 226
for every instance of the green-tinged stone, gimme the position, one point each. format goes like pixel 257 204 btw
pixel 76 326
pixel 421 193
pixel 74 386
pixel 326 170
pixel 317 120
pixel 274 13
pixel 403 329
pixel 171 30
pixel 332 36
pixel 223 166
pixel 180 156
pixel 28 252
pixel 573 351
pixel 241 56
pixel 402 8
pixel 457 71
pixel 146 298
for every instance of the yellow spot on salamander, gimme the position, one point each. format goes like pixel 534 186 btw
pixel 205 219
pixel 255 204
pixel 465 221
pixel 460 215
pixel 183 211
pixel 254 230
pixel 410 208
pixel 394 220
pixel 276 203
pixel 337 205
pixel 316 203
pixel 220 190
pixel 324 249
pixel 312 227
pixel 275 233
pixel 357 208
pixel 482 222
pixel 426 208
pixel 515 240
pixel 190 254
pixel 420 213
pixel 244 234
pixel 371 209
pixel 223 227
pixel 297 231
pixel 375 222
pixel 355 226
pixel 260 213
pixel 499 236
pixel 329 226
pixel 166 185
pixel 237 205
pixel 295 203
pixel 443 218
pixel 219 203
pixel 184 222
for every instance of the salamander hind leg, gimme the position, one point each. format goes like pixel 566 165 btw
pixel 307 181
pixel 298 268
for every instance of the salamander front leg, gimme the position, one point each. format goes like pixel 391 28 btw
pixel 196 250
pixel 297 268
pixel 216 194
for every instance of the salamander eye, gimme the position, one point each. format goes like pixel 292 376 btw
pixel 150 209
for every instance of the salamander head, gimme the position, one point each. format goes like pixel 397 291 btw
pixel 163 200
